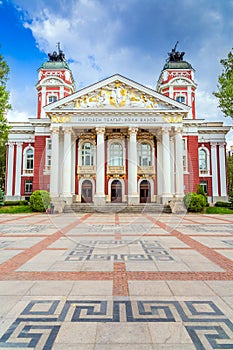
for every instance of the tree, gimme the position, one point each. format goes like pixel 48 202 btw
pixel 225 86
pixel 230 173
pixel 4 106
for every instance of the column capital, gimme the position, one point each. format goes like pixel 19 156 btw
pixel 19 144
pixel 178 130
pixel 133 130
pixel 213 144
pixel 222 144
pixel 67 130
pixel 165 130
pixel 100 130
pixel 54 130
pixel 10 144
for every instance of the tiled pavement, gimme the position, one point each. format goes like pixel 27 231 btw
pixel 116 281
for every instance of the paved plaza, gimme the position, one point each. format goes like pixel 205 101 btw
pixel 116 281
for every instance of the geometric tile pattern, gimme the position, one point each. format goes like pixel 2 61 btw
pixel 4 244
pixel 23 228
pixel 211 228
pixel 118 228
pixel 39 323
pixel 149 250
pixel 229 242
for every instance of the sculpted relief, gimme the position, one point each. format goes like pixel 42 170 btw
pixel 116 95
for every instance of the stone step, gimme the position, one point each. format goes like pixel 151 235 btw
pixel 115 208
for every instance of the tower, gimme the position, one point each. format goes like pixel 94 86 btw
pixel 177 80
pixel 55 81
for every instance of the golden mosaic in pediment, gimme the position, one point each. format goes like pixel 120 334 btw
pixel 117 95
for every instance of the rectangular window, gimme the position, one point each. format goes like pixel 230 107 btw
pixel 28 186
pixel 185 158
pixel 48 153
pixel 204 185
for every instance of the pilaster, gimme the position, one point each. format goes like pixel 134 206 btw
pixel 133 196
pixel 99 198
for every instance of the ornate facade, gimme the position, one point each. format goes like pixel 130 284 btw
pixel 116 141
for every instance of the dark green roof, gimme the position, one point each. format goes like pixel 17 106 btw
pixel 55 65
pixel 177 65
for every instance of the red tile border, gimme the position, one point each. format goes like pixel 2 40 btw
pixel 120 280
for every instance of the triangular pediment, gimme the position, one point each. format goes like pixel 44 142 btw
pixel 116 92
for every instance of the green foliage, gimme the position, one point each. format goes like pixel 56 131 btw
pixel 230 173
pixel 194 202
pixel 1 197
pixel 15 209
pixel 14 203
pixel 218 210
pixel 225 86
pixel 40 200
pixel 231 198
pixel 222 204
pixel 200 190
pixel 4 106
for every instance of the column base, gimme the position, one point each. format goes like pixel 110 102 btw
pixel 67 198
pixel 177 206
pixel 58 203
pixel 133 199
pixel 166 198
pixel 12 198
pixel 99 199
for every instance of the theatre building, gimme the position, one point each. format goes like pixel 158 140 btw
pixel 116 141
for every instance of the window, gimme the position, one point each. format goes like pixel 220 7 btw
pixel 144 154
pixel 52 98
pixel 204 185
pixel 180 99
pixel 29 163
pixel 87 154
pixel 48 153
pixel 28 186
pixel 185 159
pixel 116 155
pixel 202 160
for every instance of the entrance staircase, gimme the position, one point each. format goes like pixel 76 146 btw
pixel 117 208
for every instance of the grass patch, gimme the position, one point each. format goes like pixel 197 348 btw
pixel 218 210
pixel 15 209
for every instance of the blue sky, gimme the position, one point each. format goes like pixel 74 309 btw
pixel 104 37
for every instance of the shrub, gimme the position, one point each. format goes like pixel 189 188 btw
pixel 40 200
pixel 223 204
pixel 200 190
pixel 13 203
pixel 194 202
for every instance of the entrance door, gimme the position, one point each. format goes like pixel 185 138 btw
pixel 86 191
pixel 116 192
pixel 145 193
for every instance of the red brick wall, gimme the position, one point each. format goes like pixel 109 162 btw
pixel 40 181
pixel 191 180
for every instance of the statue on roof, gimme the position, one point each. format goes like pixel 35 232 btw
pixel 57 57
pixel 175 56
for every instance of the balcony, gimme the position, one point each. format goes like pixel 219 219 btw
pixel 116 170
pixel 86 169
pixel 146 170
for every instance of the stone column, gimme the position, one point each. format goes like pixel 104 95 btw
pixel 18 169
pixel 54 172
pixel 214 168
pixel 159 167
pixel 99 198
pixel 66 166
pixel 222 172
pixel 10 165
pixel 179 173
pixel 133 196
pixel 166 166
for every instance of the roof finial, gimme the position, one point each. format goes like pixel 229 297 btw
pixel 175 56
pixel 57 57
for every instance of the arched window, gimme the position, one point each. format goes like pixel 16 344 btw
pixel 180 99
pixel 87 154
pixel 29 159
pixel 203 160
pixel 144 154
pixel 116 155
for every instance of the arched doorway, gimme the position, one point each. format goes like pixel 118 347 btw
pixel 145 192
pixel 86 191
pixel 116 192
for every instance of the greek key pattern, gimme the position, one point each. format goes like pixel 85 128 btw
pixel 4 244
pixel 23 228
pixel 39 323
pixel 228 242
pixel 149 250
pixel 119 228
pixel 224 228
